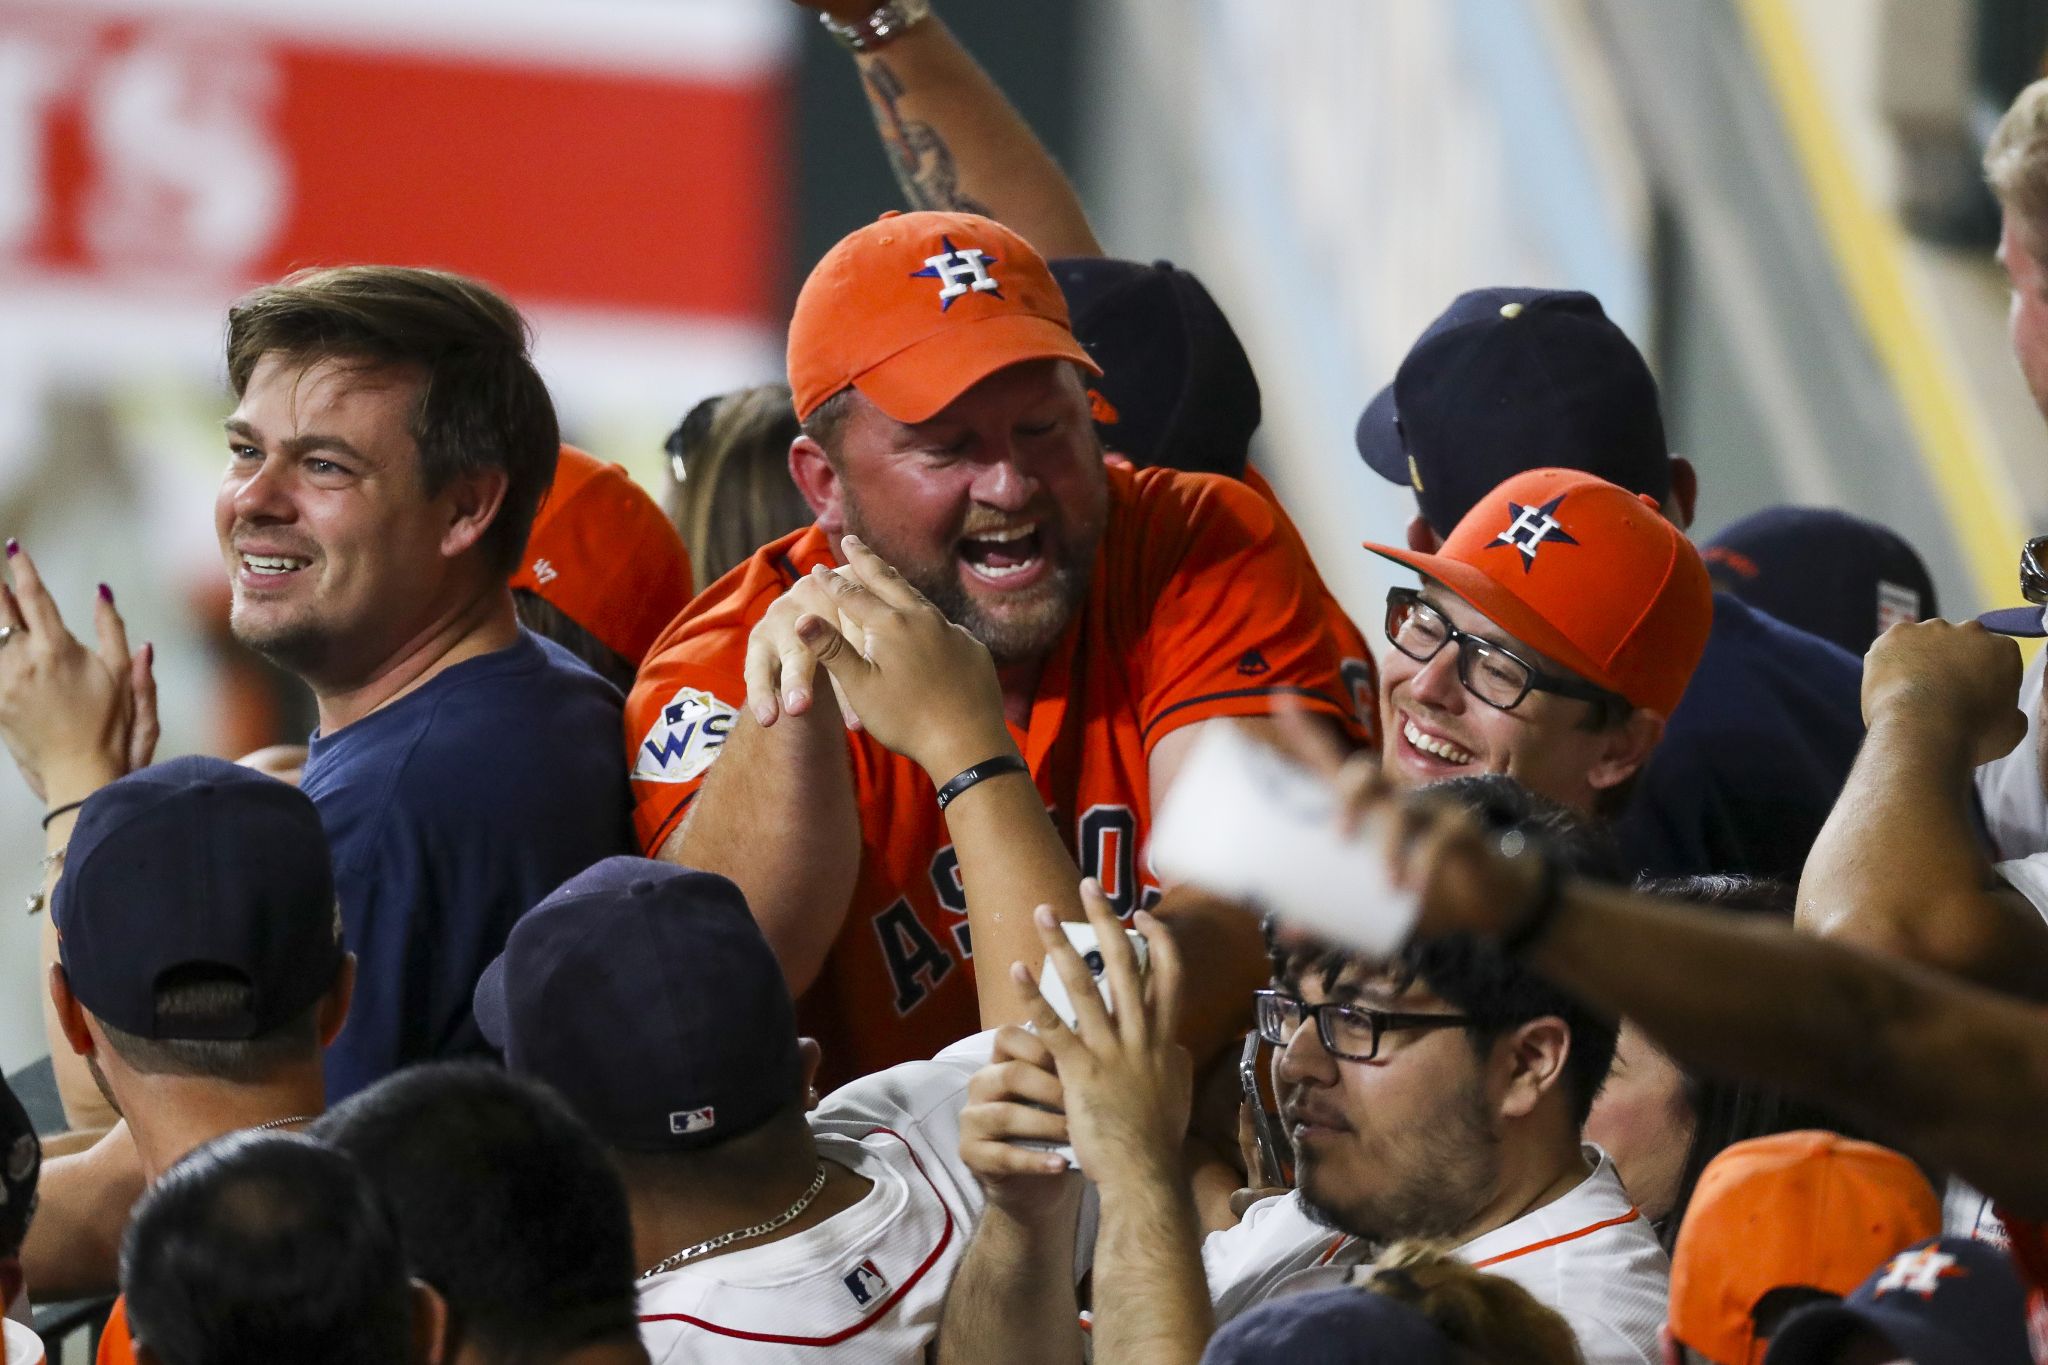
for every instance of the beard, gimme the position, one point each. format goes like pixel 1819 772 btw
pixel 1032 619
pixel 1432 1180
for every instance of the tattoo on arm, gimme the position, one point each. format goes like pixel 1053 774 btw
pixel 922 162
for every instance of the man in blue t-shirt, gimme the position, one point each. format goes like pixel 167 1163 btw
pixel 390 445
pixel 1508 380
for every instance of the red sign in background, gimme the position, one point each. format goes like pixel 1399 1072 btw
pixel 203 149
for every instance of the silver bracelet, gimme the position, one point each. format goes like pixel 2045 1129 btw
pixel 884 24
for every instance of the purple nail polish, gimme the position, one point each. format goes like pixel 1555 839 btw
pixel 13 547
pixel 106 594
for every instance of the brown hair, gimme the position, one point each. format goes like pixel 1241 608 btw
pixel 735 494
pixel 2016 164
pixel 1494 1319
pixel 483 405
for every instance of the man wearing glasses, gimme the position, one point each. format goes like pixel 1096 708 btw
pixel 1438 1096
pixel 1553 635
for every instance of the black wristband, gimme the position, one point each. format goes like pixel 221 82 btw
pixel 60 810
pixel 1541 911
pixel 981 772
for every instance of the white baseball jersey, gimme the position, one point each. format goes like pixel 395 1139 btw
pixel 867 1283
pixel 1587 1254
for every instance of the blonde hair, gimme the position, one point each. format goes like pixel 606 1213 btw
pixel 736 494
pixel 2016 163
pixel 1494 1319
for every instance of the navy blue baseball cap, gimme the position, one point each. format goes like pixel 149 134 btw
pixel 1510 380
pixel 197 865
pixel 1945 1301
pixel 1840 577
pixel 1332 1327
pixel 646 996
pixel 1176 387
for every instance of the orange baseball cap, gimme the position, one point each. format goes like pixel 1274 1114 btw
pixel 606 556
pixel 1586 572
pixel 916 308
pixel 1811 1209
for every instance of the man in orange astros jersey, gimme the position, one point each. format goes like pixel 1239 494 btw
pixel 947 424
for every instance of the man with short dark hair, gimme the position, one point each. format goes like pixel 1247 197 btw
pixel 506 1207
pixel 388 450
pixel 1438 1096
pixel 201 972
pixel 267 1247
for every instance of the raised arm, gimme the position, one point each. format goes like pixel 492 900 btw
pixel 1952 1073
pixel 956 143
pixel 1898 867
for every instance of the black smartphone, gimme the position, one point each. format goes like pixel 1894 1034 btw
pixel 1275 1169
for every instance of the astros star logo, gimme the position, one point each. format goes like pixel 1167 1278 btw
pixel 959 272
pixel 1917 1272
pixel 1531 528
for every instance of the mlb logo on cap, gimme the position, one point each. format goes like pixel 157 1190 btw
pixel 693 1120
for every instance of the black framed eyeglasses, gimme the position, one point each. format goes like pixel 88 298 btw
pixel 1493 673
pixel 1352 1032
pixel 2034 571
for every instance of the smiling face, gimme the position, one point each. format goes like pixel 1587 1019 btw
pixel 1401 1146
pixel 1436 729
pixel 335 554
pixel 993 509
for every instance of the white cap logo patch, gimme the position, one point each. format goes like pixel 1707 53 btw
pixel 682 743
pixel 693 1120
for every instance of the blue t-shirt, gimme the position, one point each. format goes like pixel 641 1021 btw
pixel 1753 758
pixel 451 812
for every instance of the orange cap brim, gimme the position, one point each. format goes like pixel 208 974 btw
pixel 917 383
pixel 1502 607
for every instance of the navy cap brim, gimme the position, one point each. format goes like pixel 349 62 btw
pixel 2025 622
pixel 489 1006
pixel 1812 1333
pixel 1379 438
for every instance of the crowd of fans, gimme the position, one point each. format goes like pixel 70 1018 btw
pixel 625 972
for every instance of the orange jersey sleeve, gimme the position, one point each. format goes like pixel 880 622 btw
pixel 1237 614
pixel 693 683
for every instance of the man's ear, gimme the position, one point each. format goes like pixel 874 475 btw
pixel 1421 538
pixel 473 502
pixel 1685 493
pixel 1534 1055
pixel 430 1339
pixel 810 1055
pixel 333 1006
pixel 70 1014
pixel 821 483
pixel 1625 748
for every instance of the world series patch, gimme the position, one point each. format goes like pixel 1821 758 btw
pixel 687 737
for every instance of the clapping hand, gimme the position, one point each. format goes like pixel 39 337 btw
pixel 75 718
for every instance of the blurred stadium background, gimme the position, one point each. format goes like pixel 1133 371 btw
pixel 1778 199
